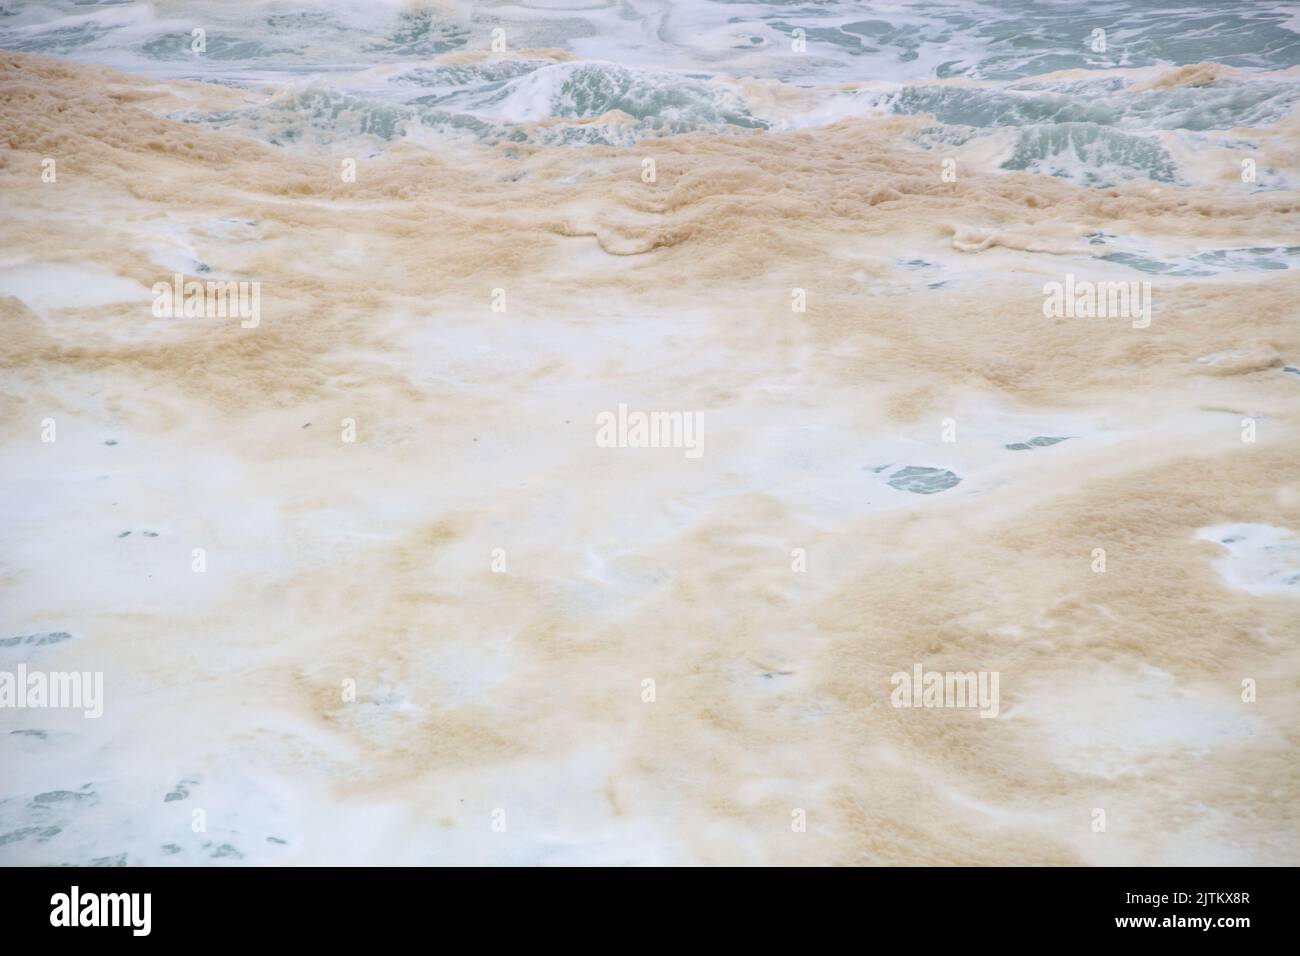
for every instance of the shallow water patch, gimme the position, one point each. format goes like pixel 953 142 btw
pixel 35 640
pixel 1213 262
pixel 923 481
pixel 1042 441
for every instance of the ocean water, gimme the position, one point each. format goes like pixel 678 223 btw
pixel 366 584
pixel 614 73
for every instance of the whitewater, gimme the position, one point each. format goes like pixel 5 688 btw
pixel 636 389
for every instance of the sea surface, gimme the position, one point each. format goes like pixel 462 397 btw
pixel 347 75
pixel 366 582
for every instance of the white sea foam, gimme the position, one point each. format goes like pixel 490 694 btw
pixel 1262 559
pixel 918 467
